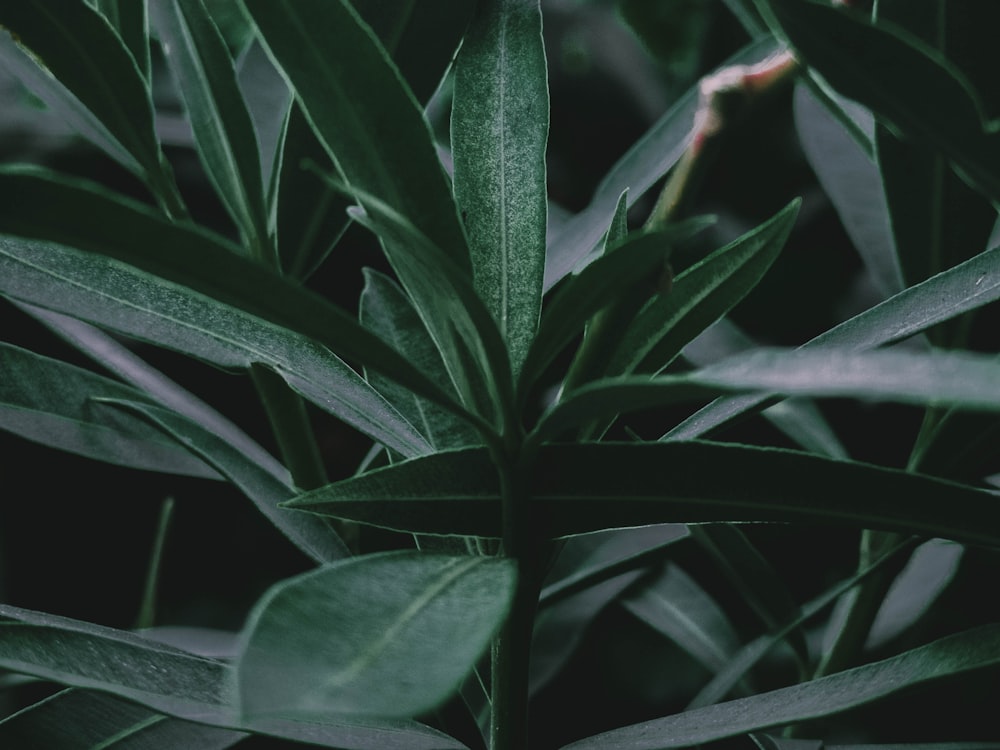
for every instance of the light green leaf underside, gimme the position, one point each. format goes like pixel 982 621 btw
pixel 499 129
pixel 418 623
pixel 954 655
pixel 580 488
pixel 169 681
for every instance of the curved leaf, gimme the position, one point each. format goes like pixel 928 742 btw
pixel 953 655
pixel 499 129
pixel 580 488
pixel 388 635
pixel 54 403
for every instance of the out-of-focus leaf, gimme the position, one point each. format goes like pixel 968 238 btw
pixel 223 132
pixel 675 606
pixel 580 488
pixel 965 287
pixel 317 540
pixel 363 111
pixel 499 130
pixel 638 169
pixel 387 311
pixel 87 720
pixel 170 681
pixel 388 635
pixel 94 222
pixel 854 186
pixel 954 655
pixel 906 83
pixel 53 403
pixel 701 295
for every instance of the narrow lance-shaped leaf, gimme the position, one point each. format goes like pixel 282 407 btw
pixel 130 19
pixel 406 609
pixel 580 488
pixel 223 132
pixel 52 403
pixel 362 110
pixel 954 655
pixel 965 287
pixel 177 683
pixel 94 222
pixel 499 129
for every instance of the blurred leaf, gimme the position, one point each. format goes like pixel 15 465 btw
pixel 93 222
pixel 79 47
pixel 906 83
pixel 953 378
pixel 701 295
pixel 965 287
pixel 86 720
pixel 914 591
pixel 954 655
pixel 638 169
pixel 580 488
pixel 223 132
pixel 386 311
pixel 312 536
pixel 387 635
pixel 123 363
pixel 53 403
pixel 173 682
pixel 678 608
pixel 854 186
pixel 637 258
pixel 130 19
pixel 748 16
pixel 363 111
pixel 499 129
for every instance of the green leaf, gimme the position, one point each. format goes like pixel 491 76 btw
pixel 953 655
pixel 93 222
pixel 701 295
pixel 53 403
pixel 499 129
pixel 580 488
pixel 223 132
pixel 649 158
pixel 176 683
pixel 317 540
pixel 637 259
pixel 386 311
pixel 86 720
pixel 678 608
pixel 79 47
pixel 948 378
pixel 905 82
pixel 363 111
pixel 130 19
pixel 387 635
pixel 965 287
pixel 854 186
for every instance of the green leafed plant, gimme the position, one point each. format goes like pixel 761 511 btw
pixel 592 476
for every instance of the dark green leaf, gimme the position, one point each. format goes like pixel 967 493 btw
pixel 176 683
pixel 701 295
pixel 363 112
pixel 388 635
pixel 86 720
pixel 53 403
pixel 586 487
pixel 317 540
pixel 954 655
pixel 966 287
pixel 499 129
pixel 386 310
pixel 905 82
pixel 93 222
pixel 130 19
pixel 223 132
pixel 637 170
